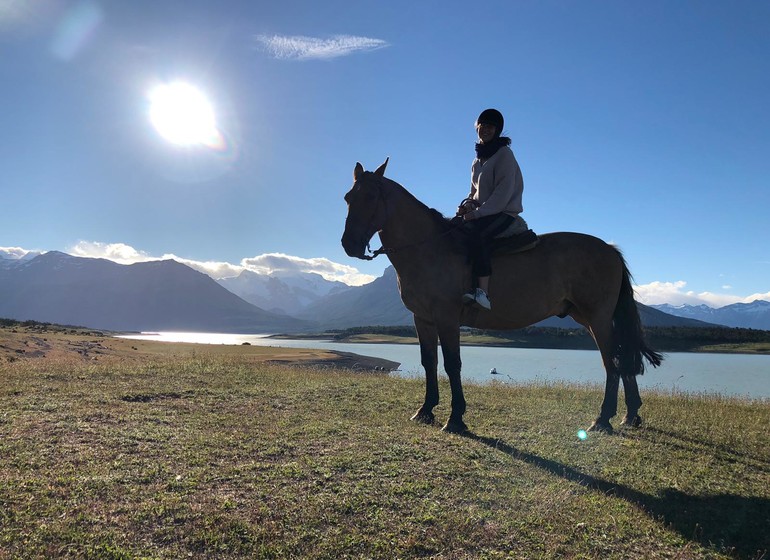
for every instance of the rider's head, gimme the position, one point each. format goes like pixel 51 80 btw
pixel 490 117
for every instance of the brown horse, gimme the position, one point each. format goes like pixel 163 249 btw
pixel 565 274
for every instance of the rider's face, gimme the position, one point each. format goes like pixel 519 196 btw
pixel 485 131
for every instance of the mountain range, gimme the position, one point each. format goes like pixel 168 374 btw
pixel 167 296
pixel 284 293
pixel 149 296
pixel 754 315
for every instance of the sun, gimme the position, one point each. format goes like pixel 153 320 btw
pixel 182 114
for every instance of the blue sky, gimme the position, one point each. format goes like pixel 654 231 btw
pixel 644 123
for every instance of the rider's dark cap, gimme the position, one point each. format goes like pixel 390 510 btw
pixel 493 117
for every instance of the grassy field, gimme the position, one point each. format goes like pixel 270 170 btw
pixel 213 454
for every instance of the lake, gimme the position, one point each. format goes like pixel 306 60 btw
pixel 738 375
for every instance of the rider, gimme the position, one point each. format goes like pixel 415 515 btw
pixel 494 203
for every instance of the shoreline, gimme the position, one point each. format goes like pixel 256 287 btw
pixel 66 344
pixel 582 344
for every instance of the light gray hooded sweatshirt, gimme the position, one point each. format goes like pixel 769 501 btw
pixel 497 184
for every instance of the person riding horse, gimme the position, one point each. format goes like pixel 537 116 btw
pixel 493 206
pixel 564 274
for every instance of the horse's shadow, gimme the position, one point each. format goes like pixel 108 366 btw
pixel 731 524
pixel 689 444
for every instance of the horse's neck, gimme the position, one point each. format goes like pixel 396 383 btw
pixel 409 221
pixel 412 234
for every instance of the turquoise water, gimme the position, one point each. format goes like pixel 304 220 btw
pixel 725 374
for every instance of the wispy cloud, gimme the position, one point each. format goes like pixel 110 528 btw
pixel 298 47
pixel 267 263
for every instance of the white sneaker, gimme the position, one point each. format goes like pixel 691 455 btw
pixel 483 299
pixel 480 297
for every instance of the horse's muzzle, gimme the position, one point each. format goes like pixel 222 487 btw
pixel 354 247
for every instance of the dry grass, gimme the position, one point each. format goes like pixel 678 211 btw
pixel 208 455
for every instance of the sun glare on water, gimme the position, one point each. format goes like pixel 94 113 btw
pixel 183 115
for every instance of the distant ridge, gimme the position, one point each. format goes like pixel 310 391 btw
pixel 149 296
pixel 379 303
pixel 754 315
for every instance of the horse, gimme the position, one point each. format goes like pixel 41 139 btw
pixel 563 274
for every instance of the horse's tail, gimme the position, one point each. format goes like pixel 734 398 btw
pixel 629 345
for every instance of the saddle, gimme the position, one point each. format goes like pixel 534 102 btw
pixel 517 238
pixel 516 243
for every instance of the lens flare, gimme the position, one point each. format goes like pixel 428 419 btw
pixel 582 435
pixel 78 26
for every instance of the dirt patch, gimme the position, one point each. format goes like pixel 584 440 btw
pixel 346 360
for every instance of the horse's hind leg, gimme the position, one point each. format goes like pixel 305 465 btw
pixel 428 337
pixel 633 401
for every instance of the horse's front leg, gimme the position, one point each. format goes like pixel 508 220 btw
pixel 602 333
pixel 428 337
pixel 450 348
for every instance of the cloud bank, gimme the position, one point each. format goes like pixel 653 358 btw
pixel 675 293
pixel 268 263
pixel 271 263
pixel 298 47
pixel 116 252
pixel 14 252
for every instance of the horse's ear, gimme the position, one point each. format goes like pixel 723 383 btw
pixel 358 171
pixel 380 171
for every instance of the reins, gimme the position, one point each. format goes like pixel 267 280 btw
pixel 390 250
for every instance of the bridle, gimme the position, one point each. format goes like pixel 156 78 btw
pixel 390 250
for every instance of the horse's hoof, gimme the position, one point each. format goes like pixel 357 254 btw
pixel 601 426
pixel 634 422
pixel 455 427
pixel 424 417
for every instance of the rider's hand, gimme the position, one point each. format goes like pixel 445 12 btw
pixel 465 208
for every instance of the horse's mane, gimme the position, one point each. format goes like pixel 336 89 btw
pixel 438 217
pixel 435 215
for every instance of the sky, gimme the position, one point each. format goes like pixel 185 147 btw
pixel 224 134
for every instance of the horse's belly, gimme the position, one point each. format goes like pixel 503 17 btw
pixel 478 319
pixel 514 313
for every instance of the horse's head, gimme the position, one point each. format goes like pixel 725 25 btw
pixel 366 210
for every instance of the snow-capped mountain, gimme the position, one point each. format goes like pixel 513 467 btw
pixel 754 315
pixel 376 303
pixel 10 257
pixel 282 292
